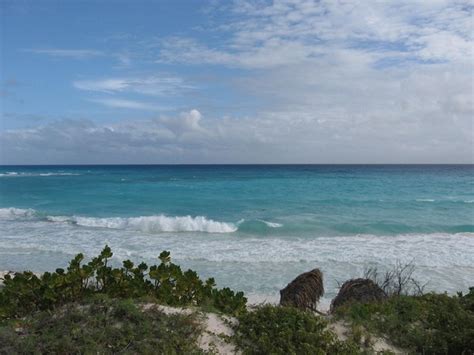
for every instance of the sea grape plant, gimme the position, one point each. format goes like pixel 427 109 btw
pixel 166 283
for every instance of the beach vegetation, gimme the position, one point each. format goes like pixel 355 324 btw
pixel 282 330
pixel 423 324
pixel 166 283
pixel 101 325
pixel 398 280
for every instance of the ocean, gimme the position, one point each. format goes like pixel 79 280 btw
pixel 252 227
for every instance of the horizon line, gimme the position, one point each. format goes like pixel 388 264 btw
pixel 233 164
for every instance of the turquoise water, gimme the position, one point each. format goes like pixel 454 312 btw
pixel 255 227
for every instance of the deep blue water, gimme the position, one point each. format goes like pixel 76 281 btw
pixel 51 212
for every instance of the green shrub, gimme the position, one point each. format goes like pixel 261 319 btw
pixel 467 301
pixel 427 324
pixel 287 330
pixel 166 283
pixel 101 326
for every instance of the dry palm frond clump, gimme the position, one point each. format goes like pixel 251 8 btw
pixel 304 291
pixel 358 290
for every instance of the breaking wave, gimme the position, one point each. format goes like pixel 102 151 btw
pixel 254 225
pixel 149 224
pixel 16 213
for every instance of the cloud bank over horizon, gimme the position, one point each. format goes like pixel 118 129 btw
pixel 290 81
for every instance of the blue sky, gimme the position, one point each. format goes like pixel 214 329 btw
pixel 290 81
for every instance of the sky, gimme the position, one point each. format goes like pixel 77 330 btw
pixel 212 82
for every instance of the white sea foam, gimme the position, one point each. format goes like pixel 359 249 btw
pixel 59 219
pixel 151 224
pixel 16 213
pixel 267 223
pixel 271 224
pixel 57 174
pixel 256 265
pixel 25 174
pixel 449 200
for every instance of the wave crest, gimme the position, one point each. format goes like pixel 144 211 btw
pixel 271 224
pixel 151 224
pixel 16 213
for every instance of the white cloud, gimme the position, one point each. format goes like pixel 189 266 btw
pixel 74 141
pixel 344 81
pixel 152 85
pixel 186 122
pixel 68 53
pixel 443 45
pixel 287 32
pixel 129 104
pixel 124 59
pixel 328 135
pixel 335 82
